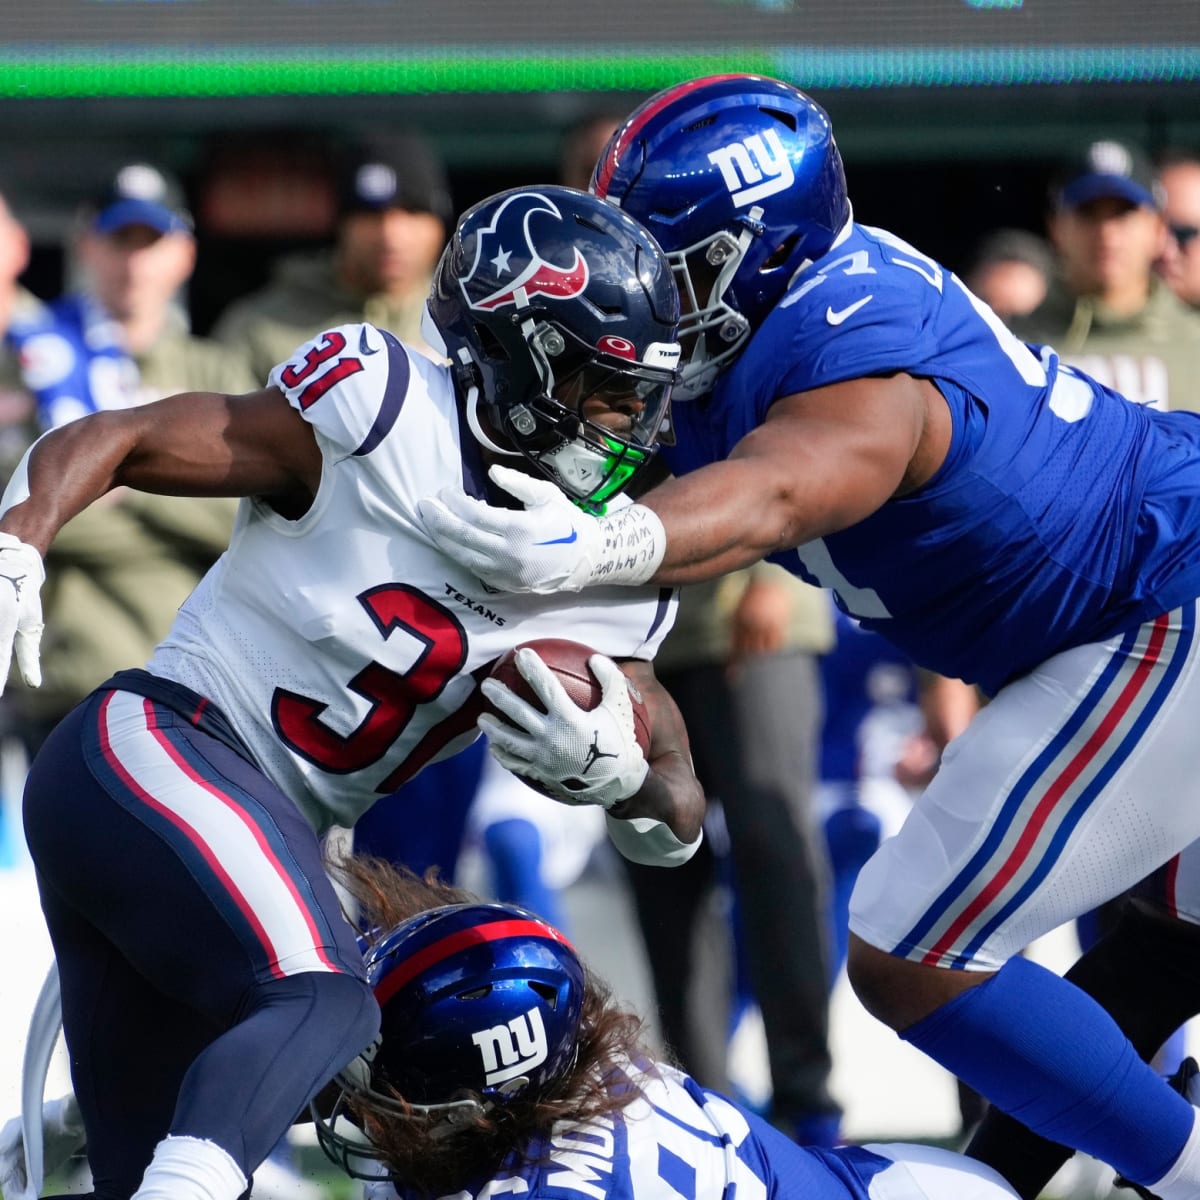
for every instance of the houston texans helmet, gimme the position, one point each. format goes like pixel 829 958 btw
pixel 739 179
pixel 559 314
pixel 481 1004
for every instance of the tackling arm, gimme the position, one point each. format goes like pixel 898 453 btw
pixel 821 461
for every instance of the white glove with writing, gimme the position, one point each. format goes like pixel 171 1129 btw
pixel 21 578
pixel 63 1134
pixel 578 755
pixel 548 546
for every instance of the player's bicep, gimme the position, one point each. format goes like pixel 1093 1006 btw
pixel 834 455
pixel 206 444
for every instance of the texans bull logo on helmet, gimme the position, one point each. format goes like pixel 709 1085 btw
pixel 487 286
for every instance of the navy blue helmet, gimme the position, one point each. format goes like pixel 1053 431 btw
pixel 739 179
pixel 556 309
pixel 480 1004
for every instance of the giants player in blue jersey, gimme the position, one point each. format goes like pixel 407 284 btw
pixel 851 410
pixel 504 1067
pixel 174 817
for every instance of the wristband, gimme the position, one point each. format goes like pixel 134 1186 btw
pixel 649 842
pixel 634 545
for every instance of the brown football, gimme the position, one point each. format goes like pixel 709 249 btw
pixel 569 662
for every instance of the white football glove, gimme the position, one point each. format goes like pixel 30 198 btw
pixel 578 755
pixel 21 578
pixel 63 1137
pixel 550 545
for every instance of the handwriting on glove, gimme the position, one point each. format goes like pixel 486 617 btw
pixel 21 578
pixel 578 755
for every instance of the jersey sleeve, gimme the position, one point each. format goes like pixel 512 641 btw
pixel 349 383
pixel 868 309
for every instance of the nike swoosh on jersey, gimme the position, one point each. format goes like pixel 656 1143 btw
pixel 365 347
pixel 838 316
pixel 562 541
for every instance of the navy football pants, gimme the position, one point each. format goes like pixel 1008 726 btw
pixel 210 982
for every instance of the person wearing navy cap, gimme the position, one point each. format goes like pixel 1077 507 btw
pixel 1108 312
pixel 142 194
pixel 393 205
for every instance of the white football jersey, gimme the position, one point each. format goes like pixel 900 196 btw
pixel 344 647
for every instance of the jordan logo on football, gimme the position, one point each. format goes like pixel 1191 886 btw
pixel 512 1049
pixel 754 168
pixel 594 754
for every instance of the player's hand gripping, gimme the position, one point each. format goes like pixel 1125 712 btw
pixel 21 578
pixel 548 546
pixel 578 755
pixel 63 1134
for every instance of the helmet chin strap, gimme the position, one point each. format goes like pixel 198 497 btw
pixel 476 427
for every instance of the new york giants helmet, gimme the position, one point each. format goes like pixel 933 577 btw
pixel 481 1004
pixel 559 314
pixel 740 181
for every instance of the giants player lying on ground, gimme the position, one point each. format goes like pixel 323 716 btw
pixel 174 816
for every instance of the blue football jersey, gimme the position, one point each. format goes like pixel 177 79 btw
pixel 1062 514
pixel 677 1141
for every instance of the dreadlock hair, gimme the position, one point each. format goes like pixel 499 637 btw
pixel 430 1157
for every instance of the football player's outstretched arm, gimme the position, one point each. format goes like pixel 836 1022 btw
pixel 821 461
pixel 193 444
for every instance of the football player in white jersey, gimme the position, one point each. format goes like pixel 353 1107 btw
pixel 174 817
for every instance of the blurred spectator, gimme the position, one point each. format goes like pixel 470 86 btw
pixel 526 847
pixel 1109 313
pixel 741 663
pixel 1179 174
pixel 120 569
pixel 17 306
pixel 393 206
pixel 871 716
pixel 1010 271
pixel 581 147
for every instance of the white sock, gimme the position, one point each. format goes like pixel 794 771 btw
pixel 188 1168
pixel 1182 1181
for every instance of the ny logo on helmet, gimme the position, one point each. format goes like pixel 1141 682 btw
pixel 508 237
pixel 754 168
pixel 513 1049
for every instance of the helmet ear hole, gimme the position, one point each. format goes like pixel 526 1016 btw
pixel 780 254
pixel 475 993
pixel 547 993
pixel 491 345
